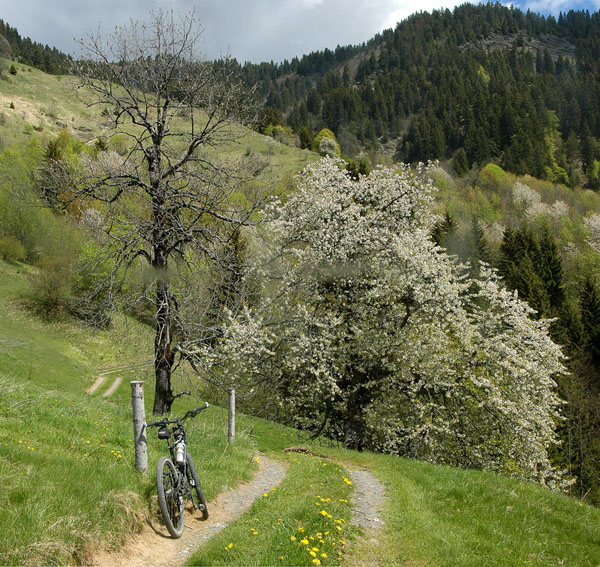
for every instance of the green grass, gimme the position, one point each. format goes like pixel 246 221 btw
pixel 69 485
pixel 442 516
pixel 66 458
pixel 45 104
pixel 305 521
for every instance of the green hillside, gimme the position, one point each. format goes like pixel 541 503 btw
pixel 66 459
pixel 36 104
pixel 69 488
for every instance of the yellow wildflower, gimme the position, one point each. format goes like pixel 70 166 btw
pixel 304 541
pixel 293 538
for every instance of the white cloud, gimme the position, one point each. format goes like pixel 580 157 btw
pixel 556 6
pixel 402 9
pixel 255 30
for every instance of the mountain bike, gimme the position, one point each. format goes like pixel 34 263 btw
pixel 176 477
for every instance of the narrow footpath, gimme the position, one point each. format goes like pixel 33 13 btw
pixel 368 500
pixel 155 548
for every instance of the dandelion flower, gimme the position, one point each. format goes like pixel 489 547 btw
pixel 304 541
pixel 324 555
pixel 323 513
pixel 313 554
pixel 316 562
pixel 293 538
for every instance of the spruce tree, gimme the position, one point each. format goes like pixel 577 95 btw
pixel 589 302
pixel 551 269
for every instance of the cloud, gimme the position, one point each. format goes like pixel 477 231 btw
pixel 554 7
pixel 249 30
pixel 403 9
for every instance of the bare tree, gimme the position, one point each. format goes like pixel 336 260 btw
pixel 166 202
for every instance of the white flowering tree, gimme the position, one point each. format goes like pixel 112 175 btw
pixel 367 332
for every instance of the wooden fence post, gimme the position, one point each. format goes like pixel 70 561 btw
pixel 231 424
pixel 139 426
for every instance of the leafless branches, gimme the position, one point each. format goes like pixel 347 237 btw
pixel 167 202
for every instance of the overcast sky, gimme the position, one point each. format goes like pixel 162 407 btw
pixel 249 30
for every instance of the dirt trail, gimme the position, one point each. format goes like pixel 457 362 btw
pixel 367 500
pixel 102 374
pixel 99 381
pixel 113 387
pixel 155 548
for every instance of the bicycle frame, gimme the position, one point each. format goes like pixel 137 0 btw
pixel 178 452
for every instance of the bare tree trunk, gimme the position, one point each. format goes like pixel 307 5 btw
pixel 355 425
pixel 163 355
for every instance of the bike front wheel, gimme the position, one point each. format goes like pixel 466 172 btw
pixel 195 486
pixel 170 499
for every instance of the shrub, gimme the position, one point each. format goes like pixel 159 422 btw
pixel 13 70
pixel 326 133
pixel 12 250
pixel 50 295
pixel 328 147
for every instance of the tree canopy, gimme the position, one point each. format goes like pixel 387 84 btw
pixel 366 331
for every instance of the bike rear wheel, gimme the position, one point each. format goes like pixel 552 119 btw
pixel 169 499
pixel 194 483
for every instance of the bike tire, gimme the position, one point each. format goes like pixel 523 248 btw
pixel 171 504
pixel 193 477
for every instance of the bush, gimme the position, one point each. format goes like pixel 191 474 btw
pixel 326 133
pixel 50 296
pixel 12 250
pixel 328 147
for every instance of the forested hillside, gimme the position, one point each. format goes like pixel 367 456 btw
pixel 24 50
pixel 479 83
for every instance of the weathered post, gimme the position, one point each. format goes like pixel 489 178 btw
pixel 139 426
pixel 231 425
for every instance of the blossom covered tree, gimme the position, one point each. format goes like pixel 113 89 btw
pixel 367 332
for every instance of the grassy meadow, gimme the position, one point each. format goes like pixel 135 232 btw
pixel 69 487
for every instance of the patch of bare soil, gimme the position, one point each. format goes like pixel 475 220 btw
pixel 367 503
pixel 154 547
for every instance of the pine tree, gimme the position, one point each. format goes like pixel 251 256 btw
pixel 552 272
pixel 589 302
pixel 480 251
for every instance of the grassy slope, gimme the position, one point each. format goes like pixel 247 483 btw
pixel 66 467
pixel 45 104
pixel 434 516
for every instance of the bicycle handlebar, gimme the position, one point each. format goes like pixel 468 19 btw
pixel 189 414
